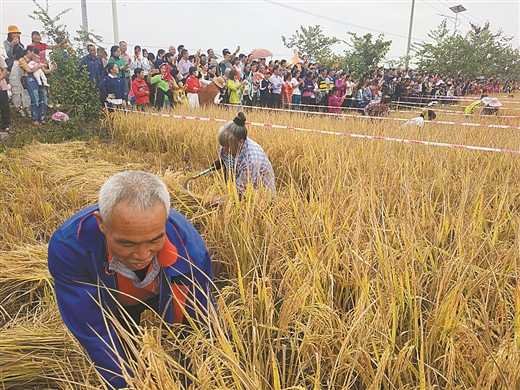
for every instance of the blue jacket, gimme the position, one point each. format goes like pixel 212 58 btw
pixel 94 67
pixel 84 289
pixel 115 85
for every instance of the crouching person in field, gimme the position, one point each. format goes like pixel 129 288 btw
pixel 126 254
pixel 245 161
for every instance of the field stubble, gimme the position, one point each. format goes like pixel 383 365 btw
pixel 377 265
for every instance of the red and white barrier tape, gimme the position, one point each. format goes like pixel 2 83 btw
pixel 358 110
pixel 380 118
pixel 351 135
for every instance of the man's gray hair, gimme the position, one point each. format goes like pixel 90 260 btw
pixel 140 190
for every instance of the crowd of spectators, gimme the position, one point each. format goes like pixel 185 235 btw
pixel 177 77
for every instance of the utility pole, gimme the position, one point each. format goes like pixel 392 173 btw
pixel 115 24
pixel 410 35
pixel 84 16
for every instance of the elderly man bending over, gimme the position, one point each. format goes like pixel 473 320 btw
pixel 128 253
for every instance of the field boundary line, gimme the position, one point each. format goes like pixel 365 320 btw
pixel 350 135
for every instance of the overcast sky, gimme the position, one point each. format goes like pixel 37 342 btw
pixel 261 23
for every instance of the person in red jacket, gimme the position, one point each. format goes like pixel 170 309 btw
pixel 140 89
pixel 193 88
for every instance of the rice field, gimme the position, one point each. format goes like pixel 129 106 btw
pixel 377 265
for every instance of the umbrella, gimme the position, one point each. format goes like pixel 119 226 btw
pixel 261 53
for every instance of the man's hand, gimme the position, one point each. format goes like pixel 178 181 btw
pixel 111 96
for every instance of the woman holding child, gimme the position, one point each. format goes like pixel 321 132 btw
pixel 36 81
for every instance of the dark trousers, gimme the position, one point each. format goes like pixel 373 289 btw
pixel 160 98
pixel 276 101
pixel 4 109
pixel 153 90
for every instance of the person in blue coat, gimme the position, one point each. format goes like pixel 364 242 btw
pixel 113 88
pixel 128 253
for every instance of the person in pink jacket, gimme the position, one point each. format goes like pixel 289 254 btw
pixel 335 101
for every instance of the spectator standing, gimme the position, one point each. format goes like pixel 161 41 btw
pixel 16 50
pixel 349 90
pixel 115 57
pixel 4 98
pixel 184 65
pixel 287 92
pixel 211 55
pixel 296 83
pixel 164 82
pixel 265 90
pixel 103 56
pixel 126 57
pixel 193 87
pixel 277 82
pixel 307 90
pixel 92 64
pixel 140 89
pixel 139 62
pixel 114 88
pixel 336 101
pixel 234 87
pixel 368 95
pixel 42 47
pixel 37 92
pixel 159 58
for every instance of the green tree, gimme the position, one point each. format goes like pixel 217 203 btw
pixel 313 42
pixel 479 53
pixel 366 54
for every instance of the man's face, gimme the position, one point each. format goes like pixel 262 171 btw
pixel 211 53
pixel 92 51
pixel 172 50
pixel 123 46
pixel 134 237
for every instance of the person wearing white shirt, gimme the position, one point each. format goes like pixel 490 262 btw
pixel 419 121
pixel 138 61
pixel 296 92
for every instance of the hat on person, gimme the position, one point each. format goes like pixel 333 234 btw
pixel 219 81
pixel 494 103
pixel 485 100
pixel 13 29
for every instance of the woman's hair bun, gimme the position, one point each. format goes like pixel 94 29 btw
pixel 240 119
